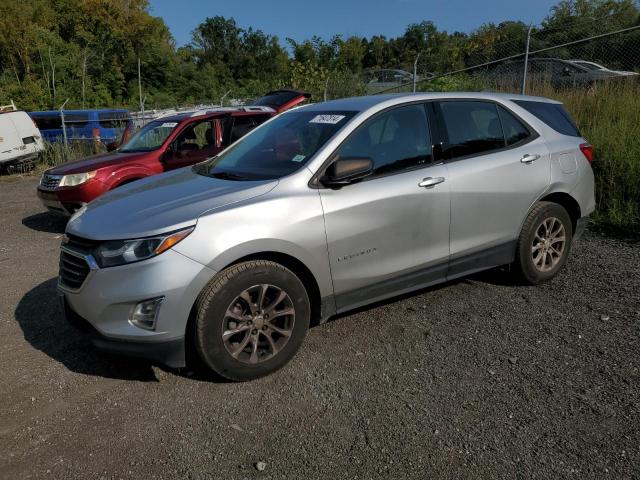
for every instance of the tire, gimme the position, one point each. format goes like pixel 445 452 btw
pixel 540 257
pixel 228 304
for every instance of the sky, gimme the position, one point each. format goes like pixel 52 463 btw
pixel 301 19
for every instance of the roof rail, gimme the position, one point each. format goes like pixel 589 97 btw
pixel 8 108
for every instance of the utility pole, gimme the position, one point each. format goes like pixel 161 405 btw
pixel 415 73
pixel 64 128
pixel 140 86
pixel 526 62
pixel 84 73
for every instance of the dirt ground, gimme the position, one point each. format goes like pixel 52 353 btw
pixel 474 379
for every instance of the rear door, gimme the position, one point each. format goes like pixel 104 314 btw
pixel 390 231
pixel 28 132
pixel 10 142
pixel 498 167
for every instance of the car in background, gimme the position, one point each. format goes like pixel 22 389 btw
pixel 109 126
pixel 559 73
pixel 387 78
pixel 600 68
pixel 20 140
pixel 167 143
pixel 320 211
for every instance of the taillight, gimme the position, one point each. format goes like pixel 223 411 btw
pixel 96 134
pixel 587 151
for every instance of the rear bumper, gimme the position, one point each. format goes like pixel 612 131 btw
pixel 169 352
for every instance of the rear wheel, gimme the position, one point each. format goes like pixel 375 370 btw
pixel 544 243
pixel 251 320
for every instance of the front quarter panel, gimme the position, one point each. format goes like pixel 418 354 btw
pixel 288 220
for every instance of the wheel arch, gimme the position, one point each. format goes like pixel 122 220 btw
pixel 292 263
pixel 567 202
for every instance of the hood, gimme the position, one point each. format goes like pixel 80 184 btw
pixel 159 204
pixel 95 162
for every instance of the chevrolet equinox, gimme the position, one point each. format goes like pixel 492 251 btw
pixel 320 210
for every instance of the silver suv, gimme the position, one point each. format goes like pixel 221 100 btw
pixel 321 210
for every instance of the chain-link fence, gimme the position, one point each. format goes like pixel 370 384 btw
pixel 575 54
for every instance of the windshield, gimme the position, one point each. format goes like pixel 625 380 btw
pixel 150 137
pixel 277 148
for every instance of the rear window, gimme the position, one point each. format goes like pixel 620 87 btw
pixel 553 114
pixel 276 99
pixel 78 120
pixel 113 119
pixel 48 122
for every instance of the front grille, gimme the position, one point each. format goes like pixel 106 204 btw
pixel 73 270
pixel 50 182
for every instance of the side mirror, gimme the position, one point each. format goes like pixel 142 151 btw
pixel 345 171
pixel 112 146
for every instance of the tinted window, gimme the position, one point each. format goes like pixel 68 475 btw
pixel 276 99
pixel 472 128
pixel 553 114
pixel 113 119
pixel 396 140
pixel 514 130
pixel 77 120
pixel 197 136
pixel 48 122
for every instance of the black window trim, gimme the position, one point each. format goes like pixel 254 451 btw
pixel 442 138
pixel 315 180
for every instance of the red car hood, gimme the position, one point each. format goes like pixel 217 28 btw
pixel 95 162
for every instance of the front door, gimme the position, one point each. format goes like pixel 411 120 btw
pixel 195 143
pixel 389 232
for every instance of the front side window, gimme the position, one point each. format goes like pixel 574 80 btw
pixel 395 140
pixel 471 127
pixel 277 148
pixel 150 137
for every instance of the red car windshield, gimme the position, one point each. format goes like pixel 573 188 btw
pixel 150 137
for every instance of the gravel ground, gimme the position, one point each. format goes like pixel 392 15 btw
pixel 475 379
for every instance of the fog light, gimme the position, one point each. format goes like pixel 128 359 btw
pixel 145 314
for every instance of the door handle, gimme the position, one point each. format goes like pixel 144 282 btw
pixel 528 158
pixel 431 182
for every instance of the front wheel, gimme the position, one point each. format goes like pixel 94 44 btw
pixel 544 243
pixel 251 320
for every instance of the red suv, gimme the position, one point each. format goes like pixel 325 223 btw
pixel 164 144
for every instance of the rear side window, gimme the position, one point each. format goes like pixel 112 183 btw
pixel 553 114
pixel 514 130
pixel 396 140
pixel 471 128
pixel 113 119
pixel 48 122
pixel 78 120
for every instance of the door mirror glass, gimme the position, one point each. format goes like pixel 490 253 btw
pixel 347 170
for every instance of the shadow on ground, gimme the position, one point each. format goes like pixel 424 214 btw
pixel 46 222
pixel 45 328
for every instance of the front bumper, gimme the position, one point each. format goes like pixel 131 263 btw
pixel 50 200
pixel 108 295
pixel 170 353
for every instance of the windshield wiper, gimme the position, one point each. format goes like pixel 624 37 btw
pixel 227 176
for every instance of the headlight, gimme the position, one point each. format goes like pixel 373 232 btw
pixel 76 179
pixel 120 252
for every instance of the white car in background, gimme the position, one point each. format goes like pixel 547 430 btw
pixel 601 68
pixel 20 139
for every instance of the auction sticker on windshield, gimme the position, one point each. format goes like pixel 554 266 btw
pixel 168 125
pixel 330 119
